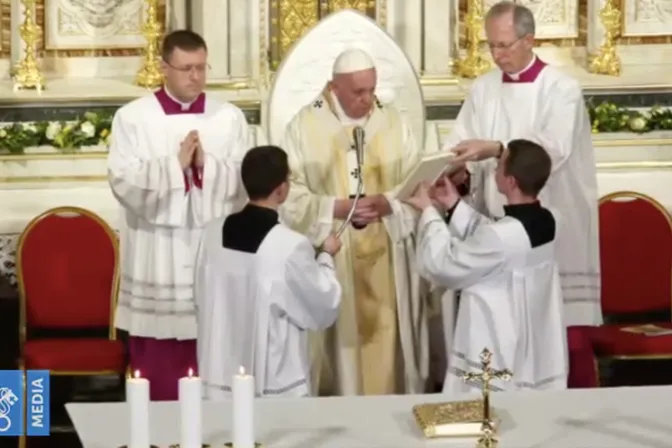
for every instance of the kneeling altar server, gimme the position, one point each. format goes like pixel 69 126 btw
pixel 173 167
pixel 505 272
pixel 259 287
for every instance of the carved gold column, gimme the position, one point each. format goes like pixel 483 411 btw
pixel 150 74
pixel 27 74
pixel 474 63
pixel 606 61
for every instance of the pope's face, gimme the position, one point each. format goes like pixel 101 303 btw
pixel 355 92
pixel 185 73
pixel 510 52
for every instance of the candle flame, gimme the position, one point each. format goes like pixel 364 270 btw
pixel 136 374
pixel 241 371
pixel 191 372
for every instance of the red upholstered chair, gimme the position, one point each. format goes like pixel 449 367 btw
pixel 636 266
pixel 67 271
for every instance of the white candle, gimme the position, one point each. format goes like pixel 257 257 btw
pixel 243 410
pixel 191 432
pixel 137 398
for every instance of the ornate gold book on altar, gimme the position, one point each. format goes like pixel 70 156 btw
pixel 454 419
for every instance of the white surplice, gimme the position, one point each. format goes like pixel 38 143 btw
pixel 254 310
pixel 551 112
pixel 161 220
pixel 510 301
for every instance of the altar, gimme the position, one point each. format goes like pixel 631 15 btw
pixel 632 417
pixel 53 140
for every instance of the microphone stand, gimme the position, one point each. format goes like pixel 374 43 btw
pixel 358 194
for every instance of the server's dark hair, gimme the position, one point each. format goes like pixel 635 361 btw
pixel 264 169
pixel 529 164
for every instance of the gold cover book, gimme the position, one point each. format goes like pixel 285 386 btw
pixel 453 419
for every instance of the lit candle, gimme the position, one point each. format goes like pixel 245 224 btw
pixel 243 410
pixel 190 411
pixel 137 398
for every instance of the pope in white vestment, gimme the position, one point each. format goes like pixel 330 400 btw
pixel 260 286
pixel 379 343
pixel 505 270
pixel 526 98
pixel 173 166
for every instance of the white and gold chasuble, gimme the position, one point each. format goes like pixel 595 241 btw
pixel 379 342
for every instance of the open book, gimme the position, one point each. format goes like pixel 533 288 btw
pixel 428 169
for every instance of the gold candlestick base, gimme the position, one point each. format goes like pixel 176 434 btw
pixel 487 439
pixel 472 67
pixel 149 77
pixel 28 78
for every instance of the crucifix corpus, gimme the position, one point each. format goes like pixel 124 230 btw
pixel 487 439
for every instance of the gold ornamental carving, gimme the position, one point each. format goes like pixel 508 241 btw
pixel 607 61
pixel 27 74
pixel 150 74
pixel 474 62
pixel 484 378
pixel 291 19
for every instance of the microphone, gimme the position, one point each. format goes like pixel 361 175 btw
pixel 358 137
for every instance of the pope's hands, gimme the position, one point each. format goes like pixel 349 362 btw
pixel 475 150
pixel 371 209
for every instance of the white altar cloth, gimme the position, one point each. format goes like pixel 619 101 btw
pixel 636 417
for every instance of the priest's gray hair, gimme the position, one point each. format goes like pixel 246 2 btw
pixel 523 19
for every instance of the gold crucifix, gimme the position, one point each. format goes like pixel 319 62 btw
pixel 484 377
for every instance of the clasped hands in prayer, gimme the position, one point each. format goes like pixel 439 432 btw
pixel 191 151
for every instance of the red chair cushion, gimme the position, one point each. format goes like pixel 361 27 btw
pixel 635 256
pixel 610 340
pixel 67 266
pixel 75 355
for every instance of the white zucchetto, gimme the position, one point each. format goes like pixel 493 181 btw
pixel 353 60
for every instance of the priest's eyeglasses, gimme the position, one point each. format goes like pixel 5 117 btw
pixel 198 69
pixel 503 46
